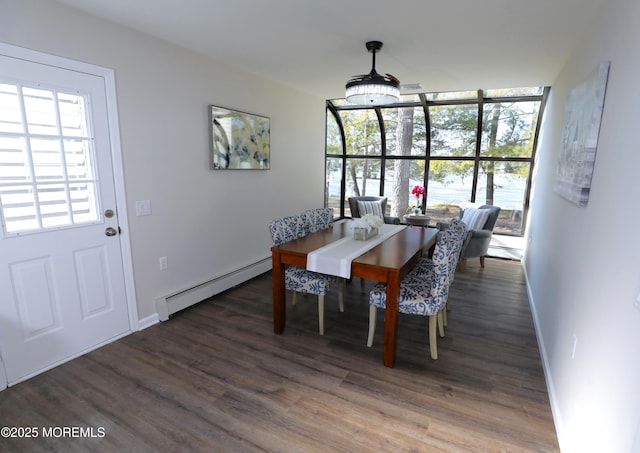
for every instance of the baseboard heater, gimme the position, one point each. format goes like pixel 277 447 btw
pixel 172 303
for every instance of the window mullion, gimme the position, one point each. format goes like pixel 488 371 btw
pixel 383 149
pixel 476 163
pixel 63 157
pixel 427 163
pixel 29 156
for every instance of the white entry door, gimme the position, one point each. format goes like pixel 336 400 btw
pixel 62 286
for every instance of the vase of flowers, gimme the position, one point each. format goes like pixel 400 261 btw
pixel 417 191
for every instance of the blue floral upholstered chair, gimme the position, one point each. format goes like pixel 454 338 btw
pixel 296 278
pixel 456 233
pixel 424 294
pixel 317 219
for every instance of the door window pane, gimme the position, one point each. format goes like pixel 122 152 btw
pixel 73 118
pixel 10 120
pixel 39 106
pixel 46 166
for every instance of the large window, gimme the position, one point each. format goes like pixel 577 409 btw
pixel 464 147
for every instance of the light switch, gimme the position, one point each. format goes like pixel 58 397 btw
pixel 143 207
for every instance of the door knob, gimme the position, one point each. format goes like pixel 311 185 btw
pixel 110 231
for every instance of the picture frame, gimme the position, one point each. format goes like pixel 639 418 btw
pixel 582 118
pixel 238 140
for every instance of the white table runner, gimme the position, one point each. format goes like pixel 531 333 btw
pixel 335 258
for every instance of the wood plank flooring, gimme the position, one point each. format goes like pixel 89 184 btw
pixel 215 378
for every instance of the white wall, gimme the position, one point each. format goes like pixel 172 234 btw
pixel 206 222
pixel 583 264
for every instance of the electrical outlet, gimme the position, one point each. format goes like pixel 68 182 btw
pixel 163 263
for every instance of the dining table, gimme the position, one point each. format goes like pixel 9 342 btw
pixel 387 262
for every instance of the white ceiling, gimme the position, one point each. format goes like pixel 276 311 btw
pixel 317 45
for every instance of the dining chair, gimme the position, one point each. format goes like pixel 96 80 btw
pixel 456 234
pixel 297 278
pixel 424 295
pixel 317 219
pixel 320 219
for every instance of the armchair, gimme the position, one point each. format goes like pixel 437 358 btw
pixel 480 222
pixel 371 205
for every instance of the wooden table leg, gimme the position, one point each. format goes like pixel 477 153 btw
pixel 279 294
pixel 391 321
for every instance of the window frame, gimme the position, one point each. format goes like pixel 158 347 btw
pixel 425 101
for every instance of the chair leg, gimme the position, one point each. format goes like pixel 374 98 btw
pixel 441 323
pixel 463 264
pixel 372 324
pixel 321 313
pixel 295 296
pixel 433 321
pixel 341 286
pixel 444 316
pixel 482 261
pixel 362 285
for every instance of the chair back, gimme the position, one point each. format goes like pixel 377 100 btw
pixel 442 274
pixel 456 231
pixel 491 218
pixel 317 219
pixel 286 229
pixel 353 204
pixel 494 211
pixel 456 234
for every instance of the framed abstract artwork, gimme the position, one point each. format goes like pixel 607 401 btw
pixel 239 140
pixel 582 117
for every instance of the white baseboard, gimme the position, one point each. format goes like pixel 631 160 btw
pixel 3 376
pixel 148 321
pixel 179 300
pixel 553 400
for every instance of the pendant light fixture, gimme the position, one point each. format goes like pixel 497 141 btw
pixel 373 88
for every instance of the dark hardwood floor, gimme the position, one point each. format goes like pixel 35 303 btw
pixel 216 378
